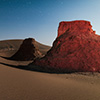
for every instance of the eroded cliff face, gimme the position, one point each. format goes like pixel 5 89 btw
pixel 75 26
pixel 27 51
pixel 76 48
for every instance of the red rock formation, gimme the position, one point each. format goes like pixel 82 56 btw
pixel 27 51
pixel 76 48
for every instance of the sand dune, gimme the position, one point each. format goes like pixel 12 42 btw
pixel 18 84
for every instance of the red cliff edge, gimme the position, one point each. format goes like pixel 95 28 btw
pixel 76 48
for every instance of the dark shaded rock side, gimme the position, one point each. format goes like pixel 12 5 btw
pixel 27 51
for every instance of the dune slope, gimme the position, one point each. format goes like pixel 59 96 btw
pixel 17 84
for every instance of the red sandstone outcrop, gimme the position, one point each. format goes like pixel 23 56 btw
pixel 27 51
pixel 76 48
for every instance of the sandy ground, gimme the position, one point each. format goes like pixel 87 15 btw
pixel 18 84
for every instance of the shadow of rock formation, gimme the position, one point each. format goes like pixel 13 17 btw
pixel 31 67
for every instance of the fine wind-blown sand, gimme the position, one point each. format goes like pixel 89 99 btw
pixel 20 84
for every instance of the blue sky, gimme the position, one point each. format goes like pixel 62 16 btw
pixel 39 19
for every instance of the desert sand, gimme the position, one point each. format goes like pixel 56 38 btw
pixel 20 84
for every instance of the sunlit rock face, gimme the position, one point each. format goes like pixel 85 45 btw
pixel 76 48
pixel 75 26
pixel 27 51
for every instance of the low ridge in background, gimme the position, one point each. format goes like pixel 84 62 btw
pixel 9 47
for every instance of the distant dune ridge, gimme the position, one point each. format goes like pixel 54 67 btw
pixel 76 48
pixel 10 47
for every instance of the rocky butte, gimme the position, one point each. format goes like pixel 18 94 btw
pixel 76 49
pixel 27 51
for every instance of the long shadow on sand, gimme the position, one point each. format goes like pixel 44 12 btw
pixel 8 58
pixel 5 57
pixel 32 67
pixel 23 67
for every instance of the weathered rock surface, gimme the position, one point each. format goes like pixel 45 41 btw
pixel 76 48
pixel 27 51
